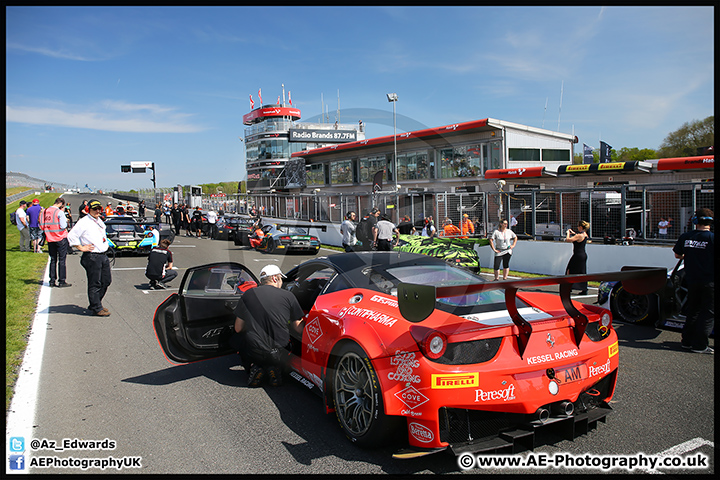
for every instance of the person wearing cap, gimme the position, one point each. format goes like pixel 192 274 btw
pixel 54 225
pixel 265 317
pixel 33 214
pixel 22 225
pixel 159 267
pixel 109 210
pixel 466 226
pixel 450 230
pixel 89 236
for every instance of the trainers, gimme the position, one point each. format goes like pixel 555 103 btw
pixel 159 286
pixel 152 284
pixel 255 376
pixel 64 284
pixel 706 350
pixel 274 376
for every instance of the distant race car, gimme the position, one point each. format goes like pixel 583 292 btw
pixel 459 252
pixel 396 342
pixel 663 308
pixel 287 238
pixel 129 234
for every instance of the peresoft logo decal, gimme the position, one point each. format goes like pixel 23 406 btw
pixel 455 380
pixel 601 370
pixel 504 395
pixel 411 397
pixel 613 349
pixel 421 433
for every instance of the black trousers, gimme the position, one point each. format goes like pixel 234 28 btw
pixel 97 268
pixel 700 319
pixel 58 254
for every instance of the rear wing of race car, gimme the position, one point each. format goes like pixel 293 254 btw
pixel 417 302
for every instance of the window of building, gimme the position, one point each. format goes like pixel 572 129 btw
pixel 523 154
pixel 462 161
pixel 315 175
pixel 553 155
pixel 413 166
pixel 370 165
pixel 341 172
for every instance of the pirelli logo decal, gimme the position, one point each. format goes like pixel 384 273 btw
pixel 455 380
pixel 613 349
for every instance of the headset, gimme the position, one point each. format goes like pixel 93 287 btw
pixel 696 220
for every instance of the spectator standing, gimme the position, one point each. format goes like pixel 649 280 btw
pixel 697 249
pixel 405 227
pixel 429 229
pixel 54 225
pixel 33 214
pixel 89 236
pixel 266 316
pixel 578 261
pixel 23 226
pixel 450 230
pixel 187 221
pixel 197 221
pixel 176 216
pixel 663 227
pixel 141 209
pixel 159 268
pixel 166 212
pixel 158 214
pixel 347 229
pixel 212 218
pixel 502 241
pixel 385 231
pixel 109 210
pixel 466 226
pixel 83 209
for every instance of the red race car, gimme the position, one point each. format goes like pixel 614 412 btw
pixel 398 341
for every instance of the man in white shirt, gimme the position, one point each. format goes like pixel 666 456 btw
pixel 212 223
pixel 22 226
pixel 89 236
pixel 347 229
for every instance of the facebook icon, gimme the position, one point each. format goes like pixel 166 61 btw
pixel 17 462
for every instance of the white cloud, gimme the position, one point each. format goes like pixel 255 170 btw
pixel 64 54
pixel 110 116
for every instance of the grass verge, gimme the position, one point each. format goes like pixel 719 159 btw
pixel 23 274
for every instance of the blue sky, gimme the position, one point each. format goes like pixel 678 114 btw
pixel 89 89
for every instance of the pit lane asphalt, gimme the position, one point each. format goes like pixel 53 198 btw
pixel 107 378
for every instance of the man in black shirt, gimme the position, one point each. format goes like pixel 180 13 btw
pixel 159 268
pixel 697 248
pixel 264 317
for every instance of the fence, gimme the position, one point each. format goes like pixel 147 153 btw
pixel 616 213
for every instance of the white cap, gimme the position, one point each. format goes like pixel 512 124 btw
pixel 270 270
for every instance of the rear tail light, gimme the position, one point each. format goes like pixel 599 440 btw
pixel 433 344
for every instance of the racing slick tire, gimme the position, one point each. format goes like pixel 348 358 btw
pixel 358 400
pixel 270 246
pixel 631 308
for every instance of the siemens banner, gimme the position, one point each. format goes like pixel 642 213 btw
pixel 321 136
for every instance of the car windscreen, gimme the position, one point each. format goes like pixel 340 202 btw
pixel 446 275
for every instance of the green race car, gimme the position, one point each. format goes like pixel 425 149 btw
pixel 459 252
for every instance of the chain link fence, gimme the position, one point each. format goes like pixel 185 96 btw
pixel 620 213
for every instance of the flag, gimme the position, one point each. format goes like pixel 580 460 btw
pixel 289 99
pixel 252 104
pixel 278 101
pixel 260 95
pixel 587 154
pixel 605 152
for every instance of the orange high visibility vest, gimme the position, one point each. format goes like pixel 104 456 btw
pixel 51 224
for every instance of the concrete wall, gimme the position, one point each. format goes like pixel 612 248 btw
pixel 545 257
pixel 551 258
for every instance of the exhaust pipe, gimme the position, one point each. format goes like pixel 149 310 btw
pixel 563 408
pixel 542 414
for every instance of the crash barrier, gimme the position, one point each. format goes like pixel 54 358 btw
pixel 618 214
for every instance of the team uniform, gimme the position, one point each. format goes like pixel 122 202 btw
pixel 156 270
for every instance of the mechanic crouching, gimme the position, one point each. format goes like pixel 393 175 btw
pixel 265 316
